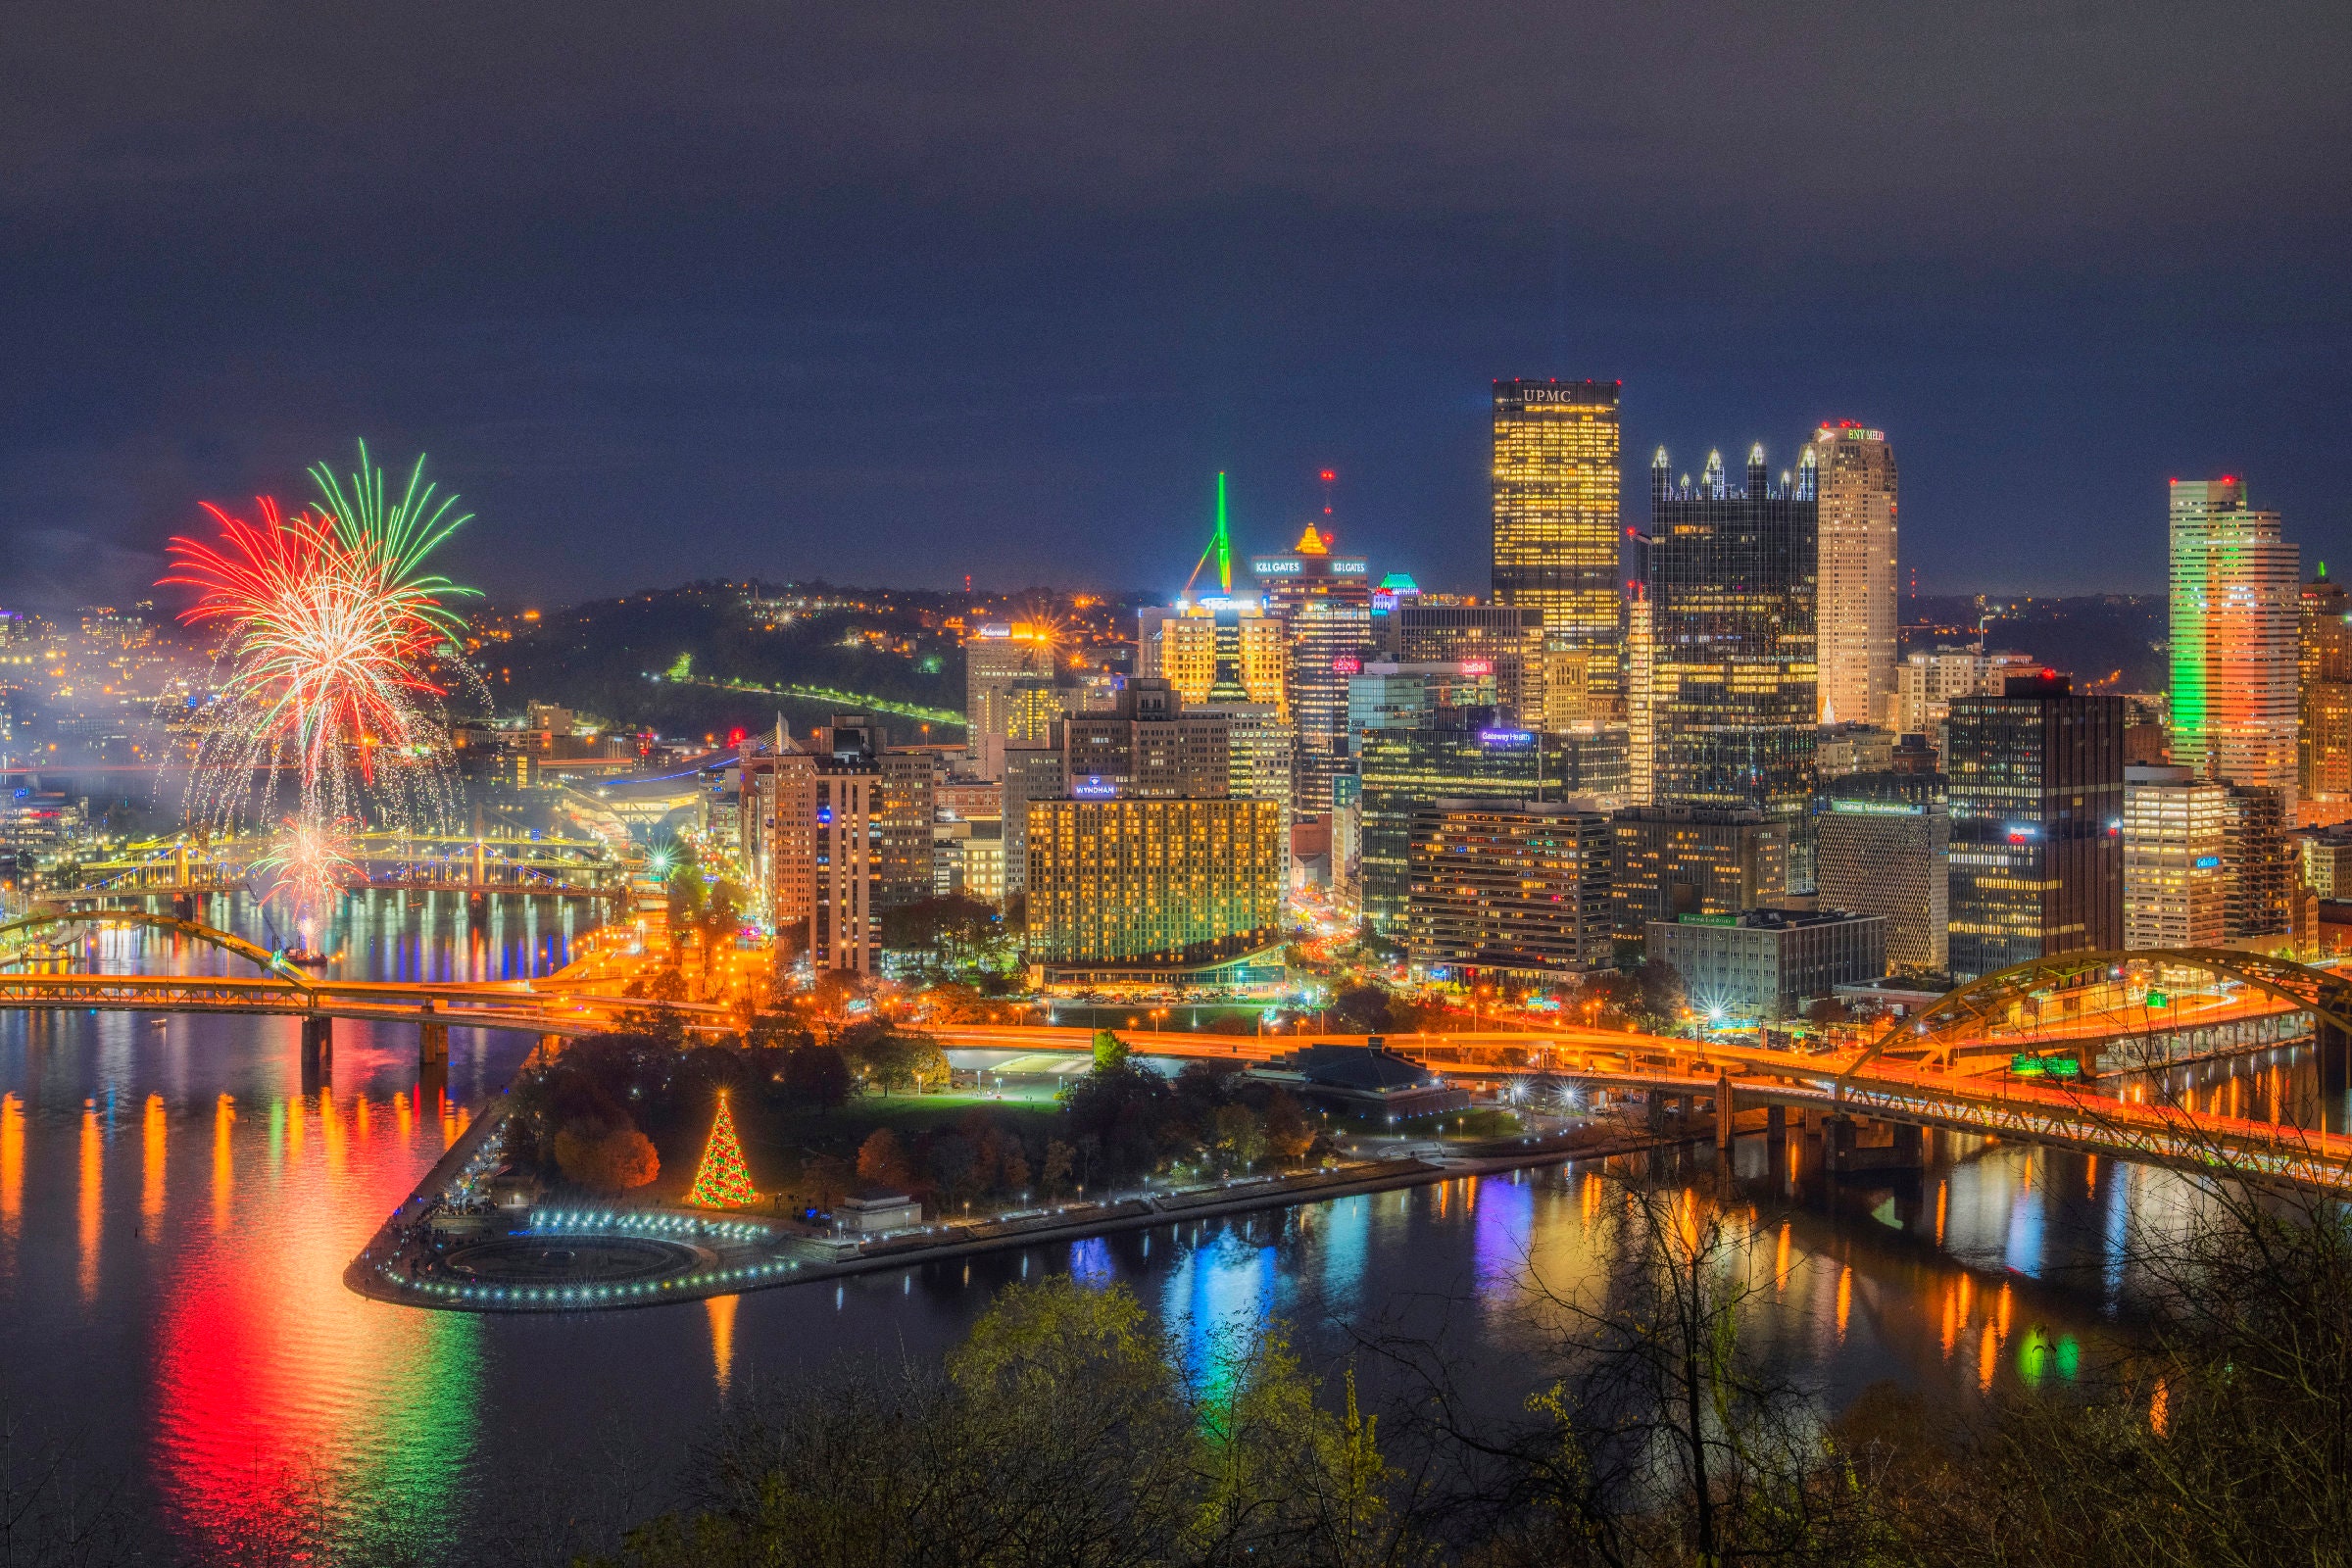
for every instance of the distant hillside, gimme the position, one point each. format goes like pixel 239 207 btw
pixel 2115 641
pixel 615 658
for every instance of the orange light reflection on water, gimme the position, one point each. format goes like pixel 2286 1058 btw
pixel 92 1205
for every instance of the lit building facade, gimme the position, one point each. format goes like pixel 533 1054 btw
pixel 1732 590
pixel 1883 847
pixel 1149 745
pixel 2324 703
pixel 1184 645
pixel 994 657
pixel 1402 770
pixel 1928 679
pixel 1767 963
pixel 2234 623
pixel 1502 640
pixel 1674 860
pixel 1032 774
pixel 2175 830
pixel 1641 697
pixel 1151 879
pixel 1854 478
pixel 2037 791
pixel 1515 888
pixel 1555 527
pixel 2259 862
pixel 1325 602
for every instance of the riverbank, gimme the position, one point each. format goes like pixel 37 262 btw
pixel 432 1253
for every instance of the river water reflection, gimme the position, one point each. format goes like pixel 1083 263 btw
pixel 176 1211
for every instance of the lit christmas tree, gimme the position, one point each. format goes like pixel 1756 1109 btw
pixel 722 1182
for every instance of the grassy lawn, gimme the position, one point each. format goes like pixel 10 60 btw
pixel 1484 1121
pixel 777 1139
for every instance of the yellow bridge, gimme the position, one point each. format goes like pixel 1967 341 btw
pixel 480 862
pixel 2066 1051
pixel 33 977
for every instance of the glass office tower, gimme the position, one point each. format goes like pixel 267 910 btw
pixel 1557 517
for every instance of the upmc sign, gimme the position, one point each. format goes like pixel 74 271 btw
pixel 1533 392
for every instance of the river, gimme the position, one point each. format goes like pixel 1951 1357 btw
pixel 176 1209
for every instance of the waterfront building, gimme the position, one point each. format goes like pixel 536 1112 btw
pixel 1178 881
pixel 1149 745
pixel 1673 860
pixel 1731 580
pixel 1766 964
pixel 2324 703
pixel 1032 774
pixel 1518 888
pixel 996 656
pixel 1503 641
pixel 2175 830
pixel 1882 846
pixel 1928 679
pixel 1325 602
pixel 1856 480
pixel 1556 518
pixel 1187 644
pixel 1473 758
pixel 2258 864
pixel 2037 792
pixel 2234 623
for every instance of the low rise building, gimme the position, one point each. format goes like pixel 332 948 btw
pixel 1768 964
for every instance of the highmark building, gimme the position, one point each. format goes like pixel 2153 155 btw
pixel 2235 613
pixel 1556 532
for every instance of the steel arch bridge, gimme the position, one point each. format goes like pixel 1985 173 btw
pixel 1983 1014
pixel 52 918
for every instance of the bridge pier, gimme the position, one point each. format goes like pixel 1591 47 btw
pixel 318 1043
pixel 1844 1151
pixel 1725 1111
pixel 2331 1046
pixel 1776 1123
pixel 432 1044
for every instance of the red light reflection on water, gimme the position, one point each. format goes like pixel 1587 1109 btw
pixel 287 1406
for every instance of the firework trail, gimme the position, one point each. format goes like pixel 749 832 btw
pixel 310 863
pixel 327 679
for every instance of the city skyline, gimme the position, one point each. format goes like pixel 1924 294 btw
pixel 656 302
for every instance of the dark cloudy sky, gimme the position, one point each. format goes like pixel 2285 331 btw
pixel 894 292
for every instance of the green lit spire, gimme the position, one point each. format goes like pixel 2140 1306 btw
pixel 1220 545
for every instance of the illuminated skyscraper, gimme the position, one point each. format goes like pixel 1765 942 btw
pixel 1555 517
pixel 2234 624
pixel 1731 599
pixel 1641 697
pixel 1325 602
pixel 994 657
pixel 1856 480
pixel 1184 645
pixel 2176 828
pixel 2037 778
pixel 2324 702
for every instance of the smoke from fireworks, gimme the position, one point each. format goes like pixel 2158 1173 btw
pixel 327 669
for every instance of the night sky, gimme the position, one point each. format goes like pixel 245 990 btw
pixel 896 292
